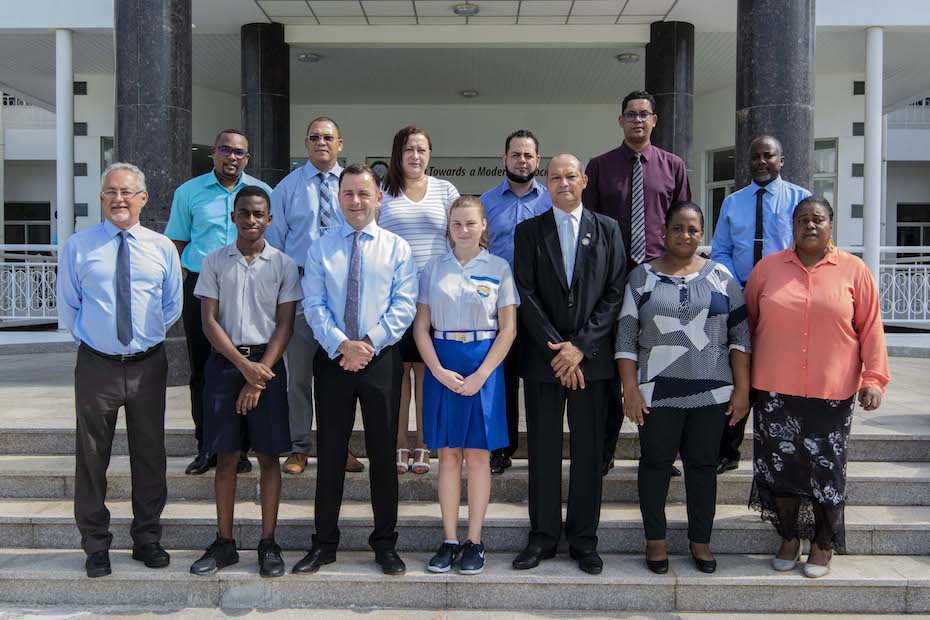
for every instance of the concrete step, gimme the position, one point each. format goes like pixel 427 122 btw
pixel 49 524
pixel 44 477
pixel 742 583
pixel 868 443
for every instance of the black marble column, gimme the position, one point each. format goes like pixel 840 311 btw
pixel 266 97
pixel 153 115
pixel 670 79
pixel 775 47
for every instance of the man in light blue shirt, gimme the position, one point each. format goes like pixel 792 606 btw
pixel 305 206
pixel 200 222
pixel 742 238
pixel 738 244
pixel 360 290
pixel 517 198
pixel 119 290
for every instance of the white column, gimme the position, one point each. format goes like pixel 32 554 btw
pixel 872 203
pixel 887 239
pixel 64 133
pixel 2 160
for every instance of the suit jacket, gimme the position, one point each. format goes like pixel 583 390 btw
pixel 550 311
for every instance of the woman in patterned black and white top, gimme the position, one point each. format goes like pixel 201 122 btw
pixel 415 207
pixel 682 349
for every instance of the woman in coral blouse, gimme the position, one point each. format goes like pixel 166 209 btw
pixel 817 342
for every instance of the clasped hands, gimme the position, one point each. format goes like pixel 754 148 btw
pixel 463 386
pixel 356 354
pixel 567 364
pixel 256 375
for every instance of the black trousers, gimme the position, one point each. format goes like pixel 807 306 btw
pixel 612 423
pixel 377 389
pixel 511 400
pixel 696 434
pixel 587 408
pixel 198 351
pixel 733 436
pixel 101 387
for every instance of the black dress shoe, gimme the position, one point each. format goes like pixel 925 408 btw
pixel 531 557
pixel 588 561
pixel 676 473
pixel 659 567
pixel 314 559
pixel 499 462
pixel 220 554
pixel 152 555
pixel 390 562
pixel 270 562
pixel 244 465
pixel 725 464
pixel 606 467
pixel 705 566
pixel 200 464
pixel 98 564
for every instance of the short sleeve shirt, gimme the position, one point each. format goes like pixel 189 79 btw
pixel 467 298
pixel 249 293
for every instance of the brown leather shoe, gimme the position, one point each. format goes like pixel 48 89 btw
pixel 353 465
pixel 296 463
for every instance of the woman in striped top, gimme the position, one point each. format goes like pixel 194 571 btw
pixel 415 207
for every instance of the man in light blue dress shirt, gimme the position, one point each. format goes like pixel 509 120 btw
pixel 741 239
pixel 304 207
pixel 119 290
pixel 517 198
pixel 200 223
pixel 360 290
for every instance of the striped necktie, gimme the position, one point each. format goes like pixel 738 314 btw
pixel 123 291
pixel 637 213
pixel 327 203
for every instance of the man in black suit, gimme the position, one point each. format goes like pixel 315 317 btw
pixel 570 270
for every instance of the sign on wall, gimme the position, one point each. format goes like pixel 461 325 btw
pixel 470 175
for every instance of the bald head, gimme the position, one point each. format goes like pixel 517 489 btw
pixel 565 182
pixel 765 159
pixel 767 140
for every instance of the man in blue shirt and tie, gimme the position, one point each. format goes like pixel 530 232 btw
pixel 199 224
pixel 754 222
pixel 304 207
pixel 119 290
pixel 360 290
pixel 517 198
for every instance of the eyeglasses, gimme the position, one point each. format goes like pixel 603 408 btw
pixel 112 194
pixel 313 137
pixel 226 151
pixel 643 116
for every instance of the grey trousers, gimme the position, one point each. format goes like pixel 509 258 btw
pixel 101 387
pixel 298 359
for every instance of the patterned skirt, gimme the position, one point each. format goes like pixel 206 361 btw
pixel 800 448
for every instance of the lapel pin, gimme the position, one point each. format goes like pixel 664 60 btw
pixel 586 240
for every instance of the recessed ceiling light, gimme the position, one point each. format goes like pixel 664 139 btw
pixel 628 57
pixel 469 93
pixel 465 9
pixel 309 57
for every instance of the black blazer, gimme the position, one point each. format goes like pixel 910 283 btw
pixel 549 311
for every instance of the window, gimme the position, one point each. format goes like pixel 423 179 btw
pixel 913 226
pixel 27 222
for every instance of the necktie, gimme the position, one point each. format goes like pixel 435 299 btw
pixel 327 203
pixel 757 244
pixel 350 317
pixel 637 213
pixel 123 291
pixel 567 240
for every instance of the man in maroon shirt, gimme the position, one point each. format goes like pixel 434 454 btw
pixel 635 184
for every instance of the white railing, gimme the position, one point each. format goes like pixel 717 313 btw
pixel 914 116
pixel 904 284
pixel 27 284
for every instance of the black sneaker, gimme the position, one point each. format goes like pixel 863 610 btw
pixel 445 557
pixel 220 554
pixel 472 558
pixel 270 562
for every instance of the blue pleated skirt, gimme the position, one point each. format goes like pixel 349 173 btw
pixel 454 421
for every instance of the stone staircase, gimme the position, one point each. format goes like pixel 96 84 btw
pixel 887 526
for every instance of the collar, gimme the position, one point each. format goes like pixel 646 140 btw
pixel 831 257
pixel 646 153
pixel 233 250
pixel 112 229
pixel 482 256
pixel 371 229
pixel 575 214
pixel 771 188
pixel 504 187
pixel 244 180
pixel 311 171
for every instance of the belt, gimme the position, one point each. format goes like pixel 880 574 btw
pixel 131 357
pixel 248 350
pixel 465 337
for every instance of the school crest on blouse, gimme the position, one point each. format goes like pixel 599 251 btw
pixel 484 290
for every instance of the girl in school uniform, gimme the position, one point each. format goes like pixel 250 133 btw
pixel 469 299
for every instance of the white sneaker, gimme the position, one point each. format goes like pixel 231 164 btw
pixel 786 565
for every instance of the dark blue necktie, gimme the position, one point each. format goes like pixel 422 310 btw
pixel 123 291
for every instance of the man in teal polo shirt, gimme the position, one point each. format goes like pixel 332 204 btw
pixel 200 223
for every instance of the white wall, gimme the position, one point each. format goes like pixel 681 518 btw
pixel 908 182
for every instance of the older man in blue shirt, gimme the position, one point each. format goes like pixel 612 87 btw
pixel 517 198
pixel 200 223
pixel 360 290
pixel 754 222
pixel 119 290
